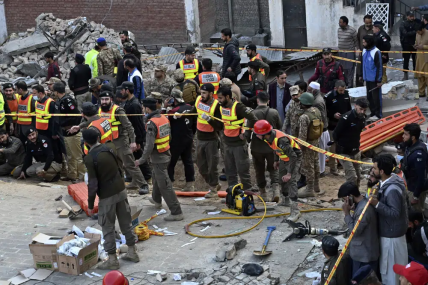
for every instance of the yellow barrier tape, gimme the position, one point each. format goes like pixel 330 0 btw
pixel 320 50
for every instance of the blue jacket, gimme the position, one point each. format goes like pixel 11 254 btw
pixel 423 7
pixel 414 167
pixel 136 78
pixel 371 65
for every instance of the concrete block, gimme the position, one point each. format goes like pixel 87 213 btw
pixel 224 278
pixel 208 280
pixel 239 243
pixel 274 279
pixel 29 69
pixel 260 39
pixel 25 44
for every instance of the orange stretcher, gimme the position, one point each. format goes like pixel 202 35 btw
pixel 389 127
pixel 221 194
pixel 79 192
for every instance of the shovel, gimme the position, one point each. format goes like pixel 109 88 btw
pixel 263 252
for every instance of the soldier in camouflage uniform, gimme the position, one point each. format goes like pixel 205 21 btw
pixel 189 87
pixel 107 59
pixel 292 116
pixel 161 83
pixel 310 159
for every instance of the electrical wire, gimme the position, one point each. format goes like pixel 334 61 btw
pixel 108 12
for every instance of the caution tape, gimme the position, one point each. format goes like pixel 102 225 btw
pixel 319 50
pixel 393 68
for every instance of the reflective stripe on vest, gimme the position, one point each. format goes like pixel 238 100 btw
pixel 110 115
pixel 190 69
pixel 104 127
pixel 163 133
pixel 232 126
pixel 202 108
pixel 24 107
pixel 2 113
pixel 42 115
pixel 13 106
pixel 210 77
pixel 278 150
pixel 261 70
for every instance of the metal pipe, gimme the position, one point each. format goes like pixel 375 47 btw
pixel 229 5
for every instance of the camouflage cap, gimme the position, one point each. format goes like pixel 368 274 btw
pixel 53 80
pixel 161 67
pixel 177 95
pixel 226 82
pixel 94 82
pixel 128 46
pixel 178 75
pixel 294 89
pixel 156 95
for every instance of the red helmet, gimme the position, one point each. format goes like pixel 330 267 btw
pixel 262 127
pixel 115 277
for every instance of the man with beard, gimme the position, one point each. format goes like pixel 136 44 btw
pixel 207 130
pixel 160 83
pixel 346 136
pixel 347 40
pixel 414 166
pixel 122 72
pixel 236 160
pixel 190 65
pixel 12 101
pixel 408 39
pixel 100 84
pixel 48 162
pixel 26 107
pixel 124 38
pixel 258 84
pixel 254 56
pixel 123 138
pixel 78 81
pixel 12 153
pixel 45 124
pixel 363 30
pixel 231 57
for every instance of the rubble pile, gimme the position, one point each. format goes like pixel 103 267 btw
pixel 23 54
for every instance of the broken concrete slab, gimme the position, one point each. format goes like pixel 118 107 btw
pixel 29 43
pixel 5 59
pixel 29 69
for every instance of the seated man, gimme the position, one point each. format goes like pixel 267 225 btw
pixel 48 163
pixel 12 153
pixel 330 249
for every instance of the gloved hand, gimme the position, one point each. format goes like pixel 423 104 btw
pixel 176 115
pixel 206 117
pixel 330 143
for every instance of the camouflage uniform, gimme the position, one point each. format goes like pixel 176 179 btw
pixel 107 60
pixel 189 87
pixel 292 118
pixel 164 87
pixel 310 159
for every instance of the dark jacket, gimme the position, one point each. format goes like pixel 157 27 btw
pixel 67 105
pixel 383 43
pixel 392 208
pixel 105 178
pixel 258 84
pixel 414 166
pixel 336 103
pixel 53 70
pixel 133 106
pixel 408 32
pixel 270 115
pixel 343 271
pixel 231 57
pixel 182 128
pixel 272 95
pixel 41 151
pixel 79 78
pixel 327 74
pixel 13 152
pixel 347 133
pixel 122 73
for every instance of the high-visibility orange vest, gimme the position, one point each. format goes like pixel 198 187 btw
pixel 24 109
pixel 261 70
pixel 163 133
pixel 110 115
pixel 278 150
pixel 42 114
pixel 210 77
pixel 190 69
pixel 13 106
pixel 232 126
pixel 105 129
pixel 202 108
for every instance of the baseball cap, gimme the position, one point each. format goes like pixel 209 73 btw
pixel 362 274
pixel 128 46
pixel 326 50
pixel 89 109
pixel 149 103
pixel 7 85
pixel 208 87
pixel 294 90
pixel 414 272
pixel 126 85
pixel 53 80
pixel 177 95
pixel 190 50
pixel 410 13
pixel 251 47
pixel 226 82
pixel 79 56
pixel 156 95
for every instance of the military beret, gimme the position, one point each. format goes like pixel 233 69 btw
pixel 29 131
pixel 106 94
pixel 89 109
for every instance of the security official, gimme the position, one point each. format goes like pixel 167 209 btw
pixel 4 109
pixel 26 108
pixel 45 107
pixel 258 84
pixel 158 137
pixel 105 180
pixel 236 159
pixel 190 66
pixel 288 159
pixel 208 76
pixel 383 43
pixel 254 56
pixel 12 153
pixel 12 102
pixel 207 137
pixel 48 162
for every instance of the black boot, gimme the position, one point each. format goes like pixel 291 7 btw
pixel 128 179
pixel 144 190
pixel 302 182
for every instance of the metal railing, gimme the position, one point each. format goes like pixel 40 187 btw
pixel 401 9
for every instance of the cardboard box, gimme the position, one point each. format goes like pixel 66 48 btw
pixel 86 258
pixel 45 255
pixel 135 216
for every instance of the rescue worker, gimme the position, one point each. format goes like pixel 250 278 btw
pixel 207 130
pixel 291 121
pixel 383 43
pixel 254 56
pixel 287 159
pixel 45 107
pixel 4 109
pixel 48 162
pixel 26 108
pixel 189 87
pixel 107 59
pixel 161 83
pixel 12 153
pixel 258 84
pixel 263 157
pixel 157 148
pixel 236 160
pixel 68 105
pixel 310 131
pixel 12 103
pixel 91 60
pixel 208 76
pixel 190 66
pixel 105 180
pixel 327 72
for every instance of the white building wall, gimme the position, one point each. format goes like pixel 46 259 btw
pixel 192 20
pixel 276 19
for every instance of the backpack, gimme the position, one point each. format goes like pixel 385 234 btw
pixel 316 126
pixel 189 90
